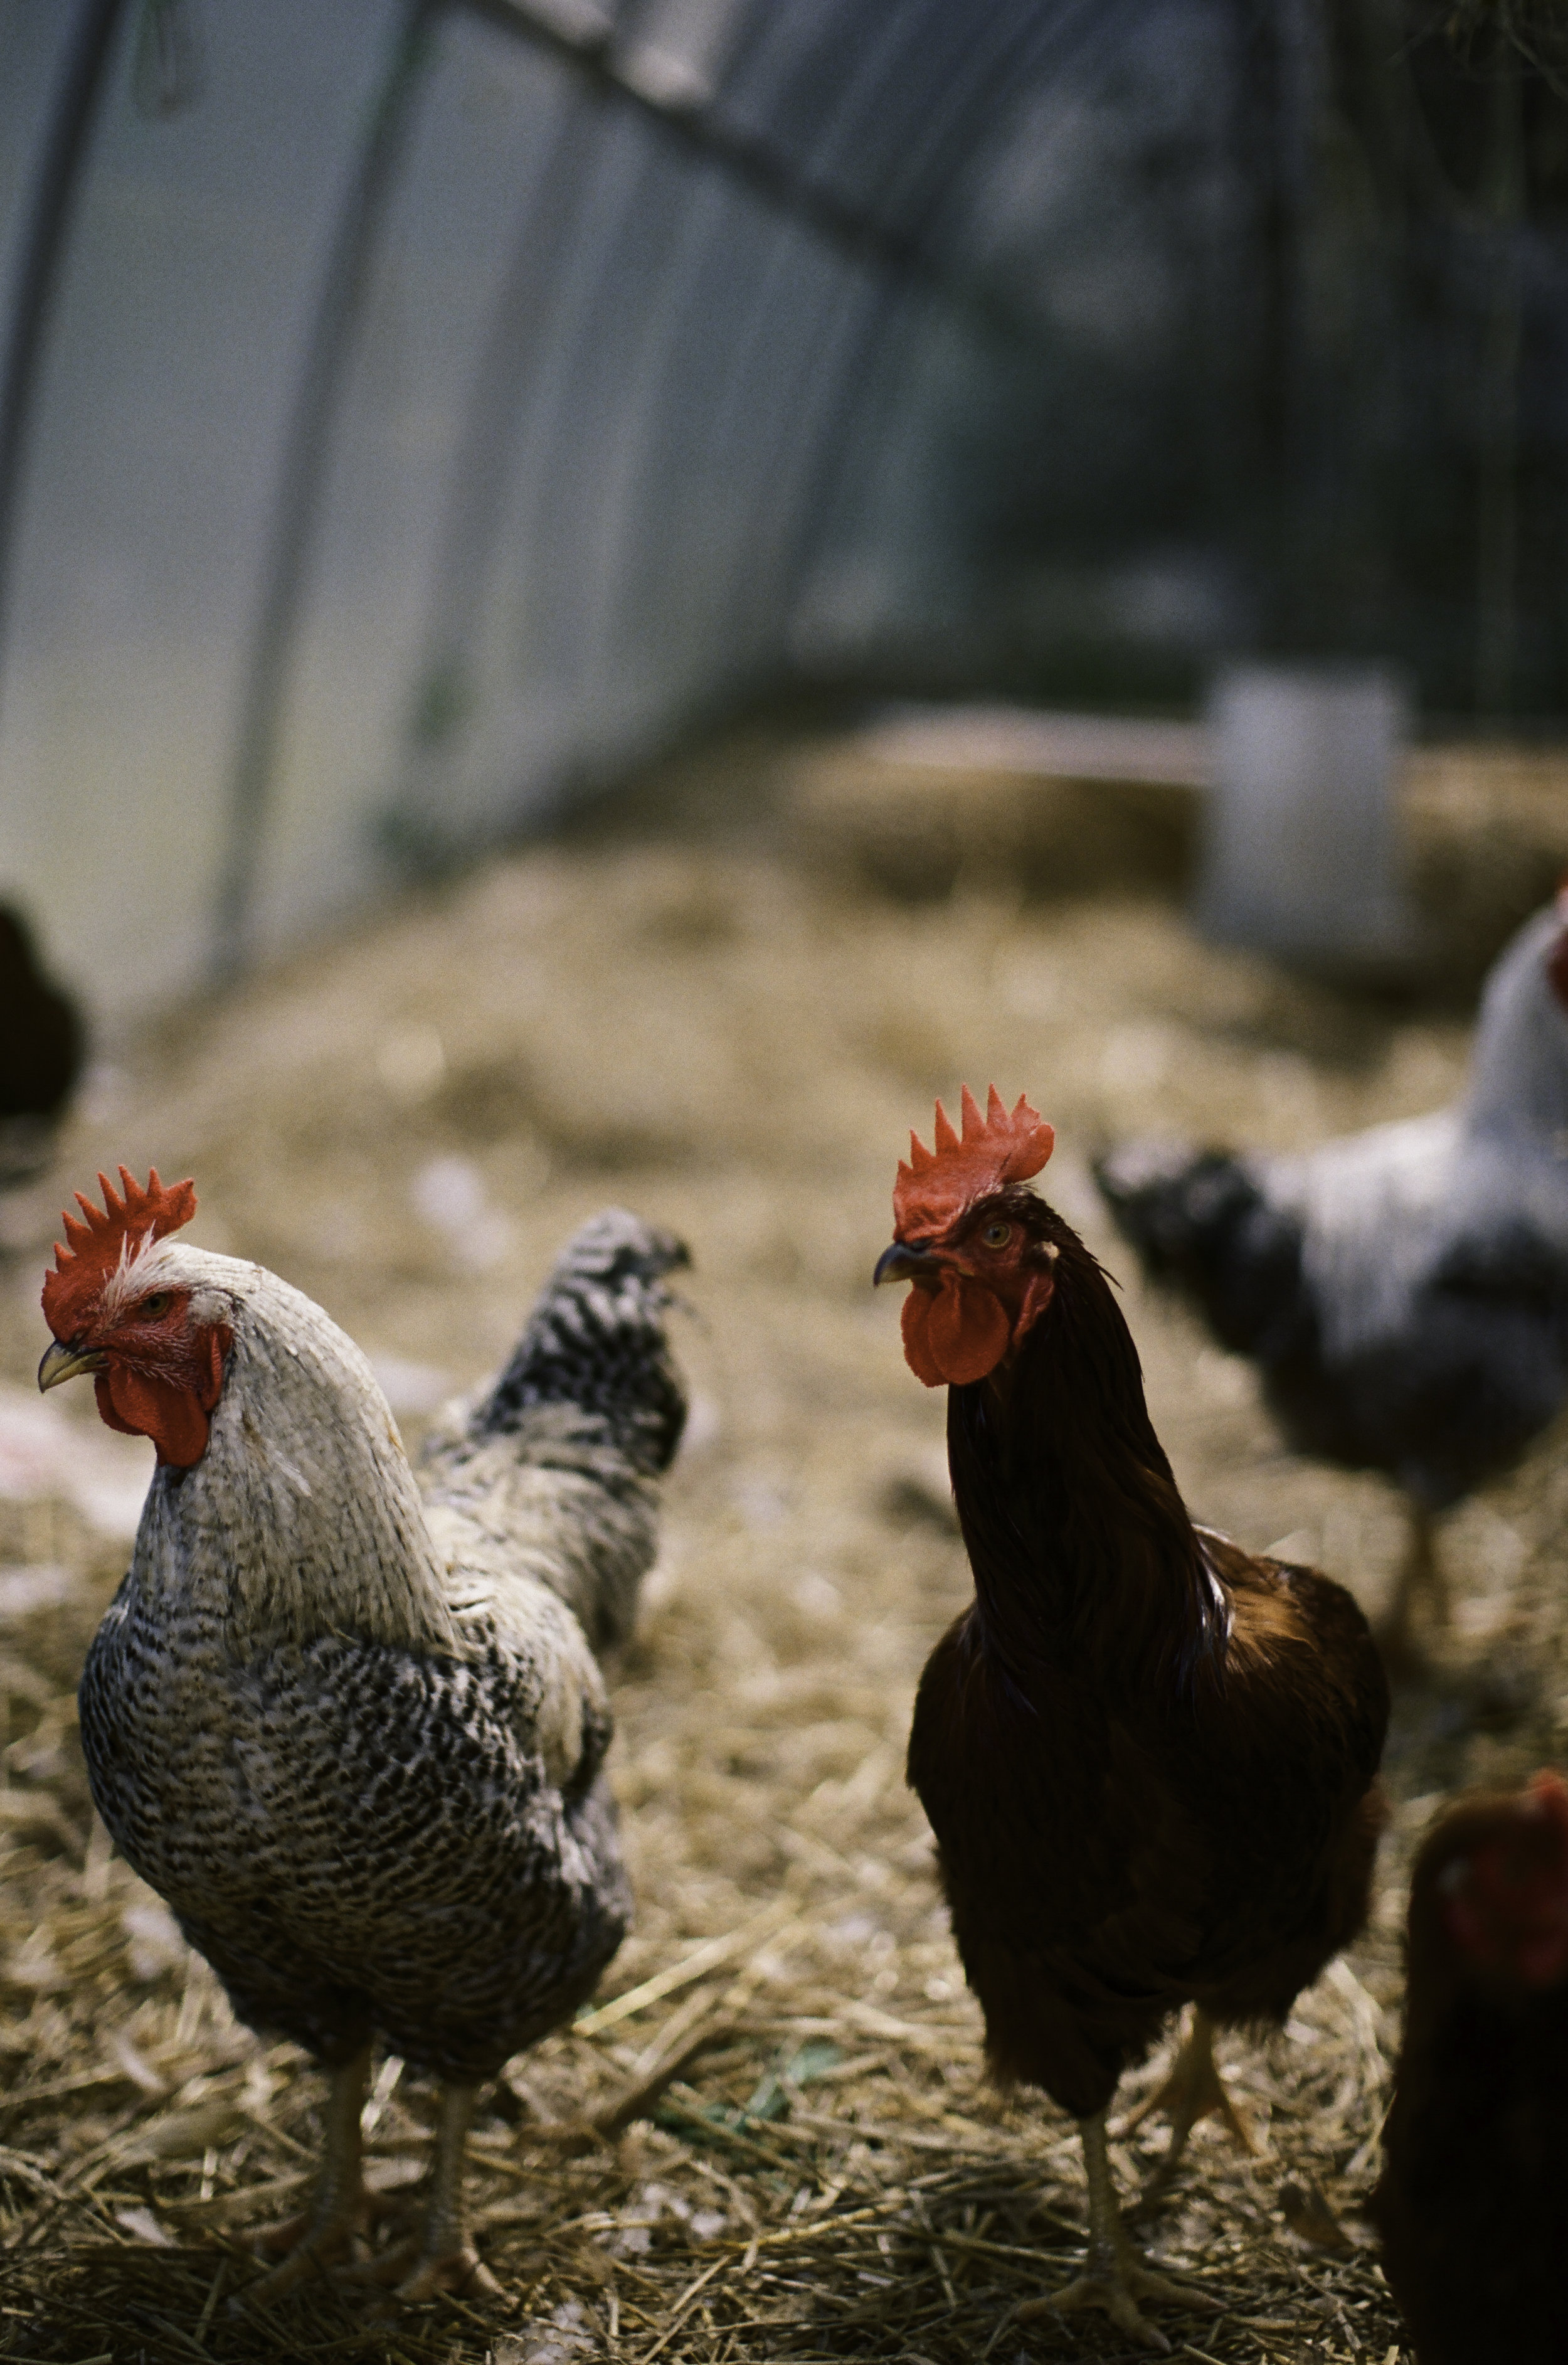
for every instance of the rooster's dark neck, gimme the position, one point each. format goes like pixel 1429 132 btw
pixel 1077 1535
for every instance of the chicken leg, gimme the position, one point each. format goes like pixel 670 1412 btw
pixel 1419 1578
pixel 343 2209
pixel 1193 2091
pixel 443 2259
pixel 1115 2277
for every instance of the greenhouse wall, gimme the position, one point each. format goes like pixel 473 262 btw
pixel 414 412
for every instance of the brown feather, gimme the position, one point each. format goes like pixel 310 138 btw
pixel 1149 1757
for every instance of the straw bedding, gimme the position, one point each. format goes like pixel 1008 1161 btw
pixel 772 2136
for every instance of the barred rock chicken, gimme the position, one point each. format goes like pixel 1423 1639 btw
pixel 1404 1292
pixel 351 1724
pixel 1149 1759
pixel 1472 2204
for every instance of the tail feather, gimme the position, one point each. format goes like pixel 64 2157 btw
pixel 553 1469
pixel 596 1341
pixel 1202 1221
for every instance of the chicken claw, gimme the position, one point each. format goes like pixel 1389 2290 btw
pixel 1117 2287
pixel 1115 2277
pixel 442 2258
pixel 1193 2091
pixel 417 2274
pixel 463 2272
pixel 317 2239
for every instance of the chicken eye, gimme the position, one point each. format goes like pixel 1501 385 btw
pixel 154 1308
pixel 996 1235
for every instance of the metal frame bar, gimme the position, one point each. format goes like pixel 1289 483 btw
pixel 506 388
pixel 306 454
pixel 784 392
pixel 936 180
pixel 747 356
pixel 901 308
pixel 54 198
pixel 767 170
pixel 501 428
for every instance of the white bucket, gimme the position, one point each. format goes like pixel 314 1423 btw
pixel 1301 851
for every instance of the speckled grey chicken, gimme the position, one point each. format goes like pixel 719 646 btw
pixel 351 1723
pixel 1404 1292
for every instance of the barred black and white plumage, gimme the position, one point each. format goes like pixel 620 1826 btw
pixel 589 1411
pixel 595 1341
pixel 376 1853
pixel 352 1724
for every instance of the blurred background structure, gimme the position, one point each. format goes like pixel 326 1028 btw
pixel 802 532
pixel 415 412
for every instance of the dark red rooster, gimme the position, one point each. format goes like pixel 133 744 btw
pixel 1473 2201
pixel 1149 1759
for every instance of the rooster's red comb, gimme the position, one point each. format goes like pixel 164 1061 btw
pixel 100 1244
pixel 1000 1147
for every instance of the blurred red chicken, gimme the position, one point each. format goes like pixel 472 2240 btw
pixel 1473 2201
pixel 1149 1757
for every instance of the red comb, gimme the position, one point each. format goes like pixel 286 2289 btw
pixel 99 1245
pixel 994 1149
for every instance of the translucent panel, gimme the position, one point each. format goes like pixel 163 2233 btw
pixel 884 570
pixel 177 345
pixel 820 401
pixel 365 691
pixel 698 485
pixel 520 693
pixel 586 476
pixel 619 639
pixel 823 81
pixel 36 48
pixel 764 433
pixel 428 409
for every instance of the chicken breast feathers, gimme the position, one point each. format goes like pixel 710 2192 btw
pixel 354 1729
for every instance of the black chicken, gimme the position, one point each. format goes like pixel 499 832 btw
pixel 42 1044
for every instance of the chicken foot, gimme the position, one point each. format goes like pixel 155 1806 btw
pixel 344 2210
pixel 1115 2277
pixel 443 2259
pixel 1193 2091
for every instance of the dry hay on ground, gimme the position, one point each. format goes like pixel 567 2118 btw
pixel 1484 826
pixel 408 1125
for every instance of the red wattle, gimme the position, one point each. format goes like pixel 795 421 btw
pixel 953 1334
pixel 171 1416
pixel 107 1412
pixel 916 1353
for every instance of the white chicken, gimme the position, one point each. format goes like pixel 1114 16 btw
pixel 1404 1292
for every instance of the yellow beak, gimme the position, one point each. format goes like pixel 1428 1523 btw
pixel 63 1363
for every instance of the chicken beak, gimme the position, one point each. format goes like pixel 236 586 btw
pixel 901 1263
pixel 63 1362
